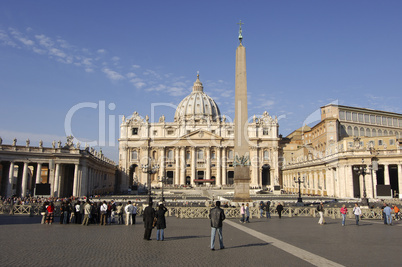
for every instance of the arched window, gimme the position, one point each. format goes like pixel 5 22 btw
pixel 134 155
pixel 385 133
pixel 362 132
pixel 230 154
pixel 374 133
pixel 379 133
pixel 266 155
pixel 170 154
pixel 349 131
pixel 200 154
pixel 368 132
pixel 355 131
pixel 391 133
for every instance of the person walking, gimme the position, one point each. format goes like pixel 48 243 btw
pixel 160 222
pixel 261 207
pixel 119 211
pixel 357 212
pixel 217 216
pixel 242 213
pixel 148 218
pixel 129 211
pixel 320 209
pixel 383 213
pixel 279 209
pixel 134 213
pixel 387 213
pixel 87 213
pixel 267 210
pixel 77 212
pixel 247 213
pixel 42 211
pixel 344 211
pixel 103 211
pixel 50 213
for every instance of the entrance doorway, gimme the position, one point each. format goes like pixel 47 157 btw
pixel 266 175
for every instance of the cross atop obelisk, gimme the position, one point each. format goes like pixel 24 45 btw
pixel 241 146
pixel 240 31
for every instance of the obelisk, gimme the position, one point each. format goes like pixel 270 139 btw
pixel 241 147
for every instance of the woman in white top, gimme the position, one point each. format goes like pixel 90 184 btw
pixel 357 212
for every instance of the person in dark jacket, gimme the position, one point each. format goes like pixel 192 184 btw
pixel 217 215
pixel 148 218
pixel 279 209
pixel 160 222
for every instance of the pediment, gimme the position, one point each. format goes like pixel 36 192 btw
pixel 201 135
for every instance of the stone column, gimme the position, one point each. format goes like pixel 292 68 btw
pixel 39 173
pixel 75 182
pixel 208 163
pixel 224 164
pixel 10 180
pixel 255 166
pixel 183 165
pixel 193 165
pixel 386 174
pixel 84 181
pixel 177 167
pixel 24 180
pixel 400 180
pixel 162 172
pixel 56 187
pixel 218 166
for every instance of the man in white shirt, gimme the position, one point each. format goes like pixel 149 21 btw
pixel 129 211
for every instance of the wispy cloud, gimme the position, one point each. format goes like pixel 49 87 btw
pixel 113 75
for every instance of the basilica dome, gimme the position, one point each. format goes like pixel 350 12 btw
pixel 197 106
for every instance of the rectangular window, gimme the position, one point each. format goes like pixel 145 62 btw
pixel 170 132
pixel 350 144
pixel 265 131
pixel 395 122
pixel 354 116
pixel 213 155
pixel 341 115
pixel 134 131
pixel 134 155
pixel 360 117
pixel 391 142
pixel 348 115
pixel 366 118
pixel 155 133
pixel 389 121
pixel 372 119
pixel 384 121
pixel 380 143
pixel 400 122
pixel 378 119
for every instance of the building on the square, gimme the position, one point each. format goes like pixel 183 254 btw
pixel 197 147
pixel 327 154
pixel 57 171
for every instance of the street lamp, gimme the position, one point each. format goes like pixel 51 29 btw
pixel 299 181
pixel 163 179
pixel 149 168
pixel 362 171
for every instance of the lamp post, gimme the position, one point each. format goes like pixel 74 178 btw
pixel 163 182
pixel 299 181
pixel 149 168
pixel 362 171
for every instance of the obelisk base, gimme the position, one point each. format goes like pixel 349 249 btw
pixel 241 184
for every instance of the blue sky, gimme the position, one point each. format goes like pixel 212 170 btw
pixel 105 59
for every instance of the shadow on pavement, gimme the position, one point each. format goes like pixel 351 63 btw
pixel 185 237
pixel 249 245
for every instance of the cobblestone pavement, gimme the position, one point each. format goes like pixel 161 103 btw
pixel 25 242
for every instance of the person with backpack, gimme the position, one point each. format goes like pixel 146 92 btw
pixel 320 209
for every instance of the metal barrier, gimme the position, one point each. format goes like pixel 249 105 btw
pixel 203 212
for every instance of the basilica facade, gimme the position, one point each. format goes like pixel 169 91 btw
pixel 197 147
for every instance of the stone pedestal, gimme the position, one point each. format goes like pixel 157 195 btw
pixel 242 184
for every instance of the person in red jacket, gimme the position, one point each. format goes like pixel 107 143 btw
pixel 344 210
pixel 50 213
